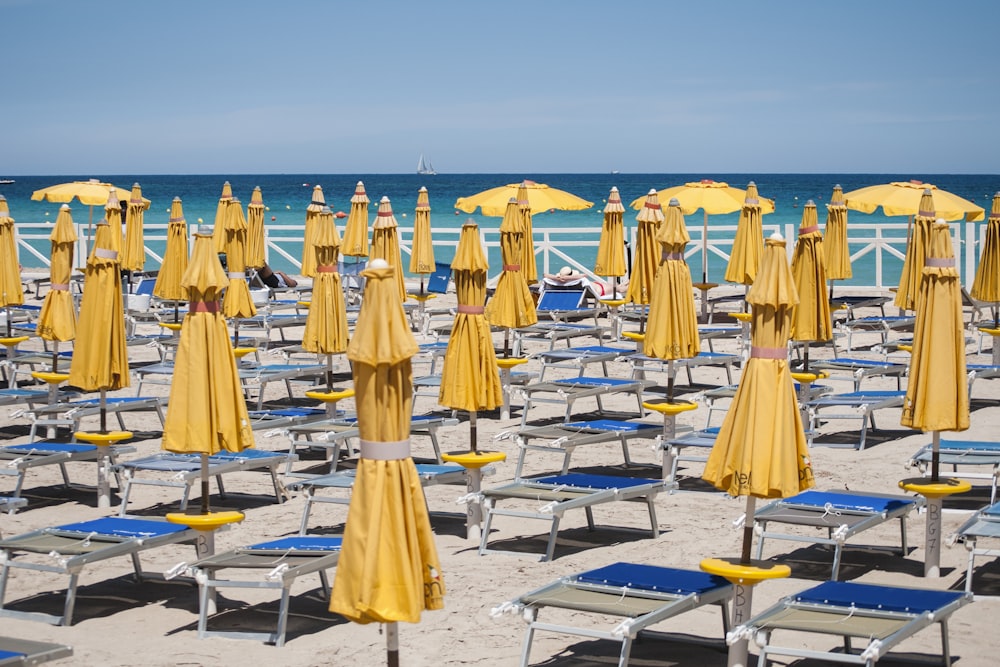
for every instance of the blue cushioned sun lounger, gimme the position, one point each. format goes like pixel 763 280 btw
pixel 862 404
pixel 26 653
pixel 578 358
pixel 962 454
pixel 568 391
pixel 859 369
pixel 881 324
pixel 641 364
pixel 68 414
pixel 564 438
pixel 20 459
pixel 880 616
pixel 644 594
pixel 983 525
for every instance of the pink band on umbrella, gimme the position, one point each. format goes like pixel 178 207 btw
pixel 384 214
pixel 926 214
pixel 511 267
pixel 236 275
pixel 385 451
pixel 134 201
pixel 104 253
pixel 59 287
pixel 652 205
pixel 994 217
pixel 176 220
pixel 203 307
pixel 671 255
pixel 808 230
pixel 751 202
pixel 768 352
pixel 940 262
pixel 326 268
pixel 470 310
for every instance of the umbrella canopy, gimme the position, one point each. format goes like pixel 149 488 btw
pixel 512 305
pixel 326 325
pixel 237 302
pixel 986 286
pixel 836 251
pixel 646 261
pixel 748 245
pixel 312 213
pixel 916 253
pixel 255 230
pixel 761 449
pixel 389 569
pixel 904 198
pixel 113 216
pixel 672 332
pixel 422 252
pixel 218 235
pixel 175 258
pixel 133 250
pixel 539 198
pixel 937 394
pixel 611 249
pixel 206 412
pixel 811 318
pixel 355 242
pixel 529 265
pixel 10 267
pixel 100 355
pixel 57 320
pixel 470 379
pixel 385 242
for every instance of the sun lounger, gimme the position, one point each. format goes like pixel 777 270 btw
pixel 568 391
pixel 881 616
pixel 843 514
pixel 68 414
pixel 713 397
pixel 67 549
pixel 983 525
pixel 269 322
pixel 185 470
pixel 564 438
pixel 17 396
pixel 981 372
pixel 862 405
pixel 556 331
pixel 881 324
pixel 566 305
pixel 963 453
pixel 644 594
pixel 16 652
pixel 20 459
pixel 561 493
pixel 578 358
pixel 641 364
pixel 848 304
pixel 279 418
pixel 254 377
pixel 281 561
pixel 859 369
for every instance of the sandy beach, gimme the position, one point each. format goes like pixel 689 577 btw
pixel 119 622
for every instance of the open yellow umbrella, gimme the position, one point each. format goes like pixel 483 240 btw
pixel 237 302
pixel 255 230
pixel 10 267
pixel 986 286
pixel 422 251
pixel 175 259
pixel 916 253
pixel 748 244
pixel 713 198
pixel 389 569
pixel 837 253
pixel 539 197
pixel 133 250
pixel 811 320
pixel 611 248
pixel 385 242
pixel 89 193
pixel 312 212
pixel 218 235
pixel 512 305
pixel 672 331
pixel 904 198
pixel 206 411
pixel 326 325
pixel 355 241
pixel 645 261
pixel 57 320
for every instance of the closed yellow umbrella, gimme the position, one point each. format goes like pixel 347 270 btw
pixel 836 251
pixel 237 302
pixel 529 264
pixel 916 253
pixel 422 251
pixel 326 325
pixel 645 261
pixel 539 197
pixel 611 248
pixel 175 259
pixel 113 216
pixel 672 331
pixel 748 244
pixel 385 242
pixel 905 198
pixel 218 233
pixel 10 267
pixel 512 305
pixel 57 320
pixel 206 411
pixel 133 249
pixel 255 230
pixel 389 570
pixel 355 241
pixel 811 320
pixel 986 286
pixel 312 212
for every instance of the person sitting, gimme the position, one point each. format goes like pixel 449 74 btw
pixel 276 279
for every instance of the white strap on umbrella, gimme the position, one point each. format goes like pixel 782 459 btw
pixel 385 451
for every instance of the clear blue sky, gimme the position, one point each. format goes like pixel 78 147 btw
pixel 219 86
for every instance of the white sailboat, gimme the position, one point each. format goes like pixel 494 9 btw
pixel 424 167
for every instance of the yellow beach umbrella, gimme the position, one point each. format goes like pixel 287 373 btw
pixel 916 253
pixel 529 264
pixel 422 251
pixel 312 212
pixel 385 242
pixel 355 241
pixel 539 197
pixel 10 267
pixel 611 248
pixel 389 569
pixel 811 320
pixel 206 411
pixel 645 261
pixel 905 198
pixel 89 193
pixel 175 259
pixel 672 331
pixel 218 233
pixel 986 286
pixel 326 325
pixel 237 302
pixel 57 320
pixel 113 216
pixel 837 253
pixel 512 305
pixel 748 244
pixel 133 250
pixel 255 230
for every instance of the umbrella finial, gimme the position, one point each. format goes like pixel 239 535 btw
pixel 810 202
pixel 674 202
pixel 378 263
pixel 652 191
pixel 776 236
pixel 64 207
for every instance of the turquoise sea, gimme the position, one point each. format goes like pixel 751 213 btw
pixel 287 195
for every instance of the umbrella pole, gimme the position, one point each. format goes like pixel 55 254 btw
pixel 329 373
pixel 104 410
pixel 6 311
pixel 472 432
pixel 748 530
pixel 236 332
pixel 506 342
pixel 935 456
pixel 805 357
pixel 205 509
pixel 670 380
pixel 392 644
pixel 55 356
pixel 704 250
